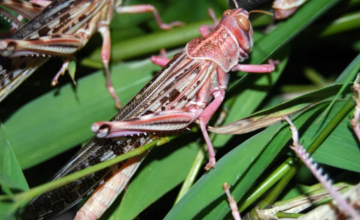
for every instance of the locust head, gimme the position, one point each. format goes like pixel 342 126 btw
pixel 237 21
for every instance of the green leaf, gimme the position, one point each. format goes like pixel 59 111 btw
pixel 346 77
pixel 6 210
pixel 72 70
pixel 162 171
pixel 342 141
pixel 11 175
pixel 239 168
pixel 231 168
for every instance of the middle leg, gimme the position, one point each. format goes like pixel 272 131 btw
pixel 105 57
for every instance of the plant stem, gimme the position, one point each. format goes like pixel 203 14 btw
pixel 267 184
pixel 348 106
pixel 193 172
pixel 36 191
pixel 272 196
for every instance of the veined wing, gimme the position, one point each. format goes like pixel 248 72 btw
pixel 182 77
pixel 13 71
pixel 61 16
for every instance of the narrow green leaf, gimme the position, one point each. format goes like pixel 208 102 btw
pixel 230 168
pixel 207 205
pixel 342 141
pixel 346 77
pixel 344 23
pixel 6 210
pixel 11 175
pixel 163 170
pixel 349 73
pixel 72 70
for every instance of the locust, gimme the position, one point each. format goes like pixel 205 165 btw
pixel 58 28
pixel 348 203
pixel 189 88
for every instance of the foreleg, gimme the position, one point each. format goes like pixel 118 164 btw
pixel 62 71
pixel 147 8
pixel 161 60
pixel 105 57
pixel 262 68
pixel 206 29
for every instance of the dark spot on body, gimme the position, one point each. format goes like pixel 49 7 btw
pixel 64 19
pixel 44 31
pixel 36 5
pixel 182 99
pixel 82 17
pixel 65 29
pixel 148 112
pixel 174 94
pixel 164 99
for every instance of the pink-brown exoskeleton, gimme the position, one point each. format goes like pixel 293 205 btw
pixel 285 8
pixel 177 96
pixel 58 28
pixel 211 58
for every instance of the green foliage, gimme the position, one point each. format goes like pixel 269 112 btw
pixel 42 122
pixel 11 176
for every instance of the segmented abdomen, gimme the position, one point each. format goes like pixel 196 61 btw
pixel 102 198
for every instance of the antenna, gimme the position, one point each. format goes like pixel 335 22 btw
pixel 261 11
pixel 236 4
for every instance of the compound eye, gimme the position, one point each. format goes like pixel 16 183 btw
pixel 227 12
pixel 243 22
